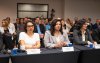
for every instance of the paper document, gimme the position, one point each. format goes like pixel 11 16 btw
pixel 97 46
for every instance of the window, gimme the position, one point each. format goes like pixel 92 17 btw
pixel 32 10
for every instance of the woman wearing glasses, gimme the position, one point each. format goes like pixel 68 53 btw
pixel 29 39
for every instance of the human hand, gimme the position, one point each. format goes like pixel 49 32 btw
pixel 59 44
pixel 95 43
pixel 34 47
pixel 89 42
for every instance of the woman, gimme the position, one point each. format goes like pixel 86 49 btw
pixel 6 33
pixel 69 24
pixel 55 38
pixel 82 35
pixel 29 39
pixel 64 28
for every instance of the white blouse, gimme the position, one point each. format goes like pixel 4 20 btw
pixel 83 36
pixel 29 40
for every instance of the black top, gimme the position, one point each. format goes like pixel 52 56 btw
pixel 78 37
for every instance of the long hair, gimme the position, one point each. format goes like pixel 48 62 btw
pixel 53 24
pixel 80 24
pixel 6 23
pixel 64 24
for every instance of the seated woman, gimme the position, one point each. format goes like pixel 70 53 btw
pixel 55 38
pixel 81 34
pixel 29 39
pixel 6 35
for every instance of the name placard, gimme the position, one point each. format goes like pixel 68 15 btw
pixel 67 49
pixel 33 51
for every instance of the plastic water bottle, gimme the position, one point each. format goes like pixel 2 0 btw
pixel 14 51
pixel 91 45
pixel 70 44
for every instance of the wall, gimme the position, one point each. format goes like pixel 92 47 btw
pixel 63 8
pixel 9 8
pixel 82 8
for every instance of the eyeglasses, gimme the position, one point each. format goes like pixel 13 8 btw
pixel 30 25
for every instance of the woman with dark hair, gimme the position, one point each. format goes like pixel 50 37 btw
pixel 81 34
pixel 29 39
pixel 55 38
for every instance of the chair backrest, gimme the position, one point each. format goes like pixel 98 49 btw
pixel 1 42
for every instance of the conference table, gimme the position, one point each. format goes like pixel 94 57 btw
pixel 88 55
pixel 4 58
pixel 81 54
pixel 47 56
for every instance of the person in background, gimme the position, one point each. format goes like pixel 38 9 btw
pixel 29 39
pixel 12 30
pixel 11 26
pixel 76 19
pixel 89 24
pixel 82 35
pixel 25 19
pixel 21 25
pixel 42 22
pixel 16 24
pixel 96 33
pixel 7 35
pixel 50 20
pixel 64 27
pixel 40 28
pixel 16 30
pixel 69 24
pixel 47 25
pixel 55 38
pixel 97 24
pixel 20 28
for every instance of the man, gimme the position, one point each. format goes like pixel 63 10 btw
pixel 40 29
pixel 96 25
pixel 16 24
pixel 47 25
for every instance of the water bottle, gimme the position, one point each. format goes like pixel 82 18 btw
pixel 14 51
pixel 70 44
pixel 91 45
